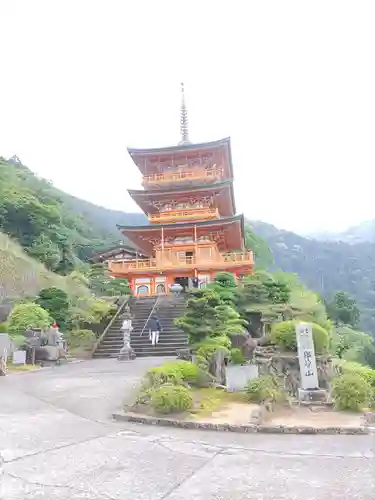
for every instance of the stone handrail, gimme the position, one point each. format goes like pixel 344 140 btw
pixel 117 314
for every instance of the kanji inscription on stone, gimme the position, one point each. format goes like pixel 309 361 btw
pixel 306 356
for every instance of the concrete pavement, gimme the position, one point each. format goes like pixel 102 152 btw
pixel 57 442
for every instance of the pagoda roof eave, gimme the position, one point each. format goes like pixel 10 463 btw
pixel 155 193
pixel 109 252
pixel 177 225
pixel 180 147
pixel 143 236
pixel 182 189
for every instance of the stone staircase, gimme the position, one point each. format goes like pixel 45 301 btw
pixel 170 340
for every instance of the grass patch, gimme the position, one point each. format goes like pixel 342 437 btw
pixel 21 368
pixel 208 400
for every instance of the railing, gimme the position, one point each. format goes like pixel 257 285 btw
pixel 109 326
pixel 221 260
pixel 187 214
pixel 178 176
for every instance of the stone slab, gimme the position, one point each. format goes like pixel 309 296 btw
pixel 238 376
pixel 243 428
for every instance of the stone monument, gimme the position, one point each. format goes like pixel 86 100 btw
pixel 309 390
pixel 127 352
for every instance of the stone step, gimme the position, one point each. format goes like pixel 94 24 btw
pixel 147 348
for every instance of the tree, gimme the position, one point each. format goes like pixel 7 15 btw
pixel 225 285
pixel 43 249
pixel 102 283
pixel 56 302
pixel 200 317
pixel 343 310
pixel 207 316
pixel 25 316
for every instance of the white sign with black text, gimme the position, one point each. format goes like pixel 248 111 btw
pixel 306 356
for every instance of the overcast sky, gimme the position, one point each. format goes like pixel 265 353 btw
pixel 292 83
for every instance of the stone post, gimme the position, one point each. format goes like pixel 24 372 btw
pixel 127 352
pixel 309 390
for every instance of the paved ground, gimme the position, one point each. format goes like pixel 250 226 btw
pixel 57 442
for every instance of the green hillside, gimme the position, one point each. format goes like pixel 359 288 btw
pixel 327 266
pixel 22 276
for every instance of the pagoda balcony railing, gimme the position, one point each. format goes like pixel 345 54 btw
pixel 184 215
pixel 194 174
pixel 217 261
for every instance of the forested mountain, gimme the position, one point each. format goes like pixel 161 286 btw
pixel 361 233
pixel 52 226
pixel 326 266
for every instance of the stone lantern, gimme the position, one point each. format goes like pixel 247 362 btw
pixel 127 352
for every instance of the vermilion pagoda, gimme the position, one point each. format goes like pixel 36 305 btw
pixel 193 232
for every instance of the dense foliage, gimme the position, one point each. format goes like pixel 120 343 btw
pixel 351 392
pixel 52 226
pixel 283 334
pixel 207 315
pixel 327 267
pixel 101 283
pixel 343 309
pixel 25 316
pixel 265 388
pixel 56 302
pixel 171 398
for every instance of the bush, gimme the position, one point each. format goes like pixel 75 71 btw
pixel 225 279
pixel 174 372
pixel 351 392
pixel 3 328
pixel 164 375
pixel 236 356
pixel 56 302
pixel 208 347
pixel 352 367
pixel 81 338
pixel 284 335
pixel 25 316
pixel 265 388
pixel 171 398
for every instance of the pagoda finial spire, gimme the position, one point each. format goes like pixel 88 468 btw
pixel 184 124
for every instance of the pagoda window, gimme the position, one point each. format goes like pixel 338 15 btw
pixel 143 290
pixel 160 288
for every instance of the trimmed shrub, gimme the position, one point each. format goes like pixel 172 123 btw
pixel 208 347
pixel 3 328
pixel 171 398
pixel 25 316
pixel 188 370
pixel 284 335
pixel 164 374
pixel 351 392
pixel 265 388
pixel 173 372
pixel 352 367
pixel 236 356
pixel 81 338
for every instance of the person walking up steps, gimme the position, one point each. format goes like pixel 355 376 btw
pixel 154 329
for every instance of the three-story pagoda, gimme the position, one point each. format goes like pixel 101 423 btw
pixel 194 231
